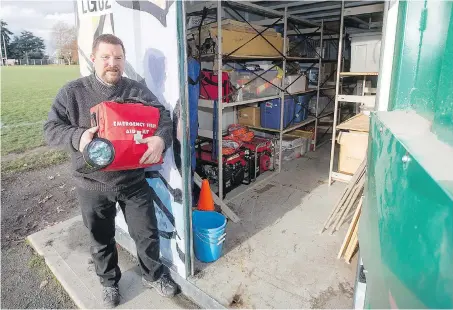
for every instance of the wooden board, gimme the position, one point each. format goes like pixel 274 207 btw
pixel 350 203
pixel 352 183
pixel 351 250
pixel 358 73
pixel 359 122
pixel 351 228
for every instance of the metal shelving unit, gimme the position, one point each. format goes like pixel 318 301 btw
pixel 339 97
pixel 283 59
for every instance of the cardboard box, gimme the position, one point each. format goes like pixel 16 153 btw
pixel 234 35
pixel 353 149
pixel 250 116
pixel 232 40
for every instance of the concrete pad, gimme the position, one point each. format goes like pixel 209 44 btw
pixel 65 248
pixel 276 257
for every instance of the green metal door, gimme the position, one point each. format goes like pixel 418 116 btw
pixel 406 228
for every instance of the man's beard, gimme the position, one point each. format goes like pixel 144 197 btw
pixel 112 79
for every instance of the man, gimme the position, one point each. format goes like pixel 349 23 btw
pixel 98 192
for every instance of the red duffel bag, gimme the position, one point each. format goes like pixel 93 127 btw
pixel 209 86
pixel 121 125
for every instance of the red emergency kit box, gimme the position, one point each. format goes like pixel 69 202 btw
pixel 124 125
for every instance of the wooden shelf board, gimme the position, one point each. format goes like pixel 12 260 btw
pixel 358 73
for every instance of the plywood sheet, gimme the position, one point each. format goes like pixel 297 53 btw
pixel 360 122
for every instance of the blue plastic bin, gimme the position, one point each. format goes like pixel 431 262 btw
pixel 208 235
pixel 270 113
pixel 301 108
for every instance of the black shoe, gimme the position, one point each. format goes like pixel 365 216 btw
pixel 165 286
pixel 111 296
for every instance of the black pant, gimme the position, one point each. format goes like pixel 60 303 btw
pixel 99 211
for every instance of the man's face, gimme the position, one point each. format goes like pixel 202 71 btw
pixel 109 62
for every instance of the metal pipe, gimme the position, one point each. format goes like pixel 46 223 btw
pixel 337 87
pixel 219 100
pixel 282 92
pixel 185 151
pixel 319 84
pixel 263 10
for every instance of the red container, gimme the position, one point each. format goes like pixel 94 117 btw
pixel 123 124
pixel 209 86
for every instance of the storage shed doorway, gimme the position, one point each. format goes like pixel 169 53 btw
pixel 287 73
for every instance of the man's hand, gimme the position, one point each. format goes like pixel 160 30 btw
pixel 154 152
pixel 86 138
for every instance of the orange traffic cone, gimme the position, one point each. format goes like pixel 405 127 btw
pixel 205 203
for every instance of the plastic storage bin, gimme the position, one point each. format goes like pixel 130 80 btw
pixel 270 113
pixel 263 87
pixel 365 52
pixel 301 108
pixel 255 84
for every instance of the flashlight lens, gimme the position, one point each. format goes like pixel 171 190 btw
pixel 100 153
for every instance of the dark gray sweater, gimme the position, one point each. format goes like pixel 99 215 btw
pixel 69 117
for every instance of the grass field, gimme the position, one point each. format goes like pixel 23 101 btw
pixel 27 93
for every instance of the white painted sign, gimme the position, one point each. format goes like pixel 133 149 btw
pixel 94 7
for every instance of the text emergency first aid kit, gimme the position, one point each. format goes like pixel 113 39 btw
pixel 121 127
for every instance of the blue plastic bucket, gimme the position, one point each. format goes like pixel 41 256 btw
pixel 209 235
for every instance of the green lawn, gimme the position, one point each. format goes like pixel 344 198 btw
pixel 27 93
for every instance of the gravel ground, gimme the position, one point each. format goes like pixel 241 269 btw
pixel 31 201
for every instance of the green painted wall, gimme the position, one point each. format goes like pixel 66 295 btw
pixel 443 117
pixel 423 63
pixel 406 228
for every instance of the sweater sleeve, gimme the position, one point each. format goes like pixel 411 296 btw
pixel 58 130
pixel 165 127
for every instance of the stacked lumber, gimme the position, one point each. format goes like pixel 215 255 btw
pixel 348 206
pixel 351 241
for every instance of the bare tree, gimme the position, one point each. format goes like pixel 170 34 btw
pixel 63 38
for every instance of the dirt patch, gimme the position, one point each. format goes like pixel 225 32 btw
pixel 334 298
pixel 265 188
pixel 237 302
pixel 32 201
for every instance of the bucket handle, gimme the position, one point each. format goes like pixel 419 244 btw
pixel 203 238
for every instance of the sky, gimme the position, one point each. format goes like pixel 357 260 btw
pixel 37 17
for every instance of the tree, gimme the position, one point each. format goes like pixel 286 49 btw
pixel 63 38
pixel 74 51
pixel 6 37
pixel 27 45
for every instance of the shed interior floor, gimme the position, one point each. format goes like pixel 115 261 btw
pixel 276 256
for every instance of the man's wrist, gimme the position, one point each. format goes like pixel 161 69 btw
pixel 163 142
pixel 76 136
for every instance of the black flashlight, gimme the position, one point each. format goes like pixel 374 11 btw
pixel 99 153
